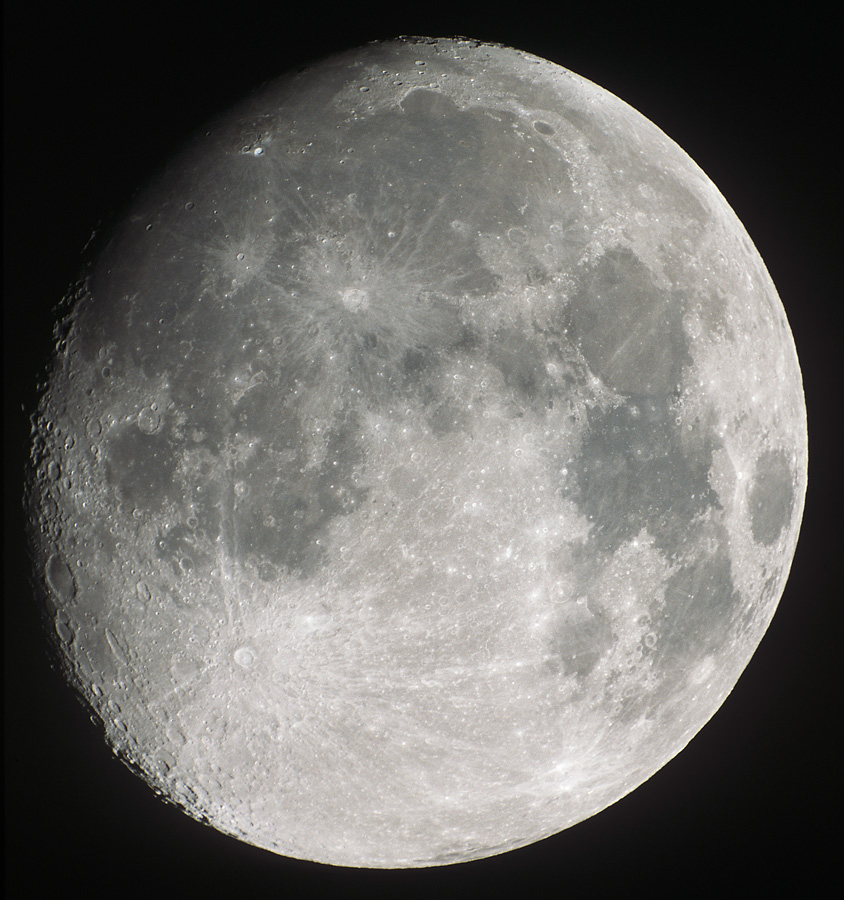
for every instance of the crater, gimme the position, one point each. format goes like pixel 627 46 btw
pixel 244 657
pixel 178 547
pixel 355 299
pixel 60 579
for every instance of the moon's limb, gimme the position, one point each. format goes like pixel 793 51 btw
pixel 422 460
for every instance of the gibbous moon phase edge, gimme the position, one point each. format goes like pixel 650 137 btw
pixel 421 460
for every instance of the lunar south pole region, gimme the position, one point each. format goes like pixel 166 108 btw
pixel 421 461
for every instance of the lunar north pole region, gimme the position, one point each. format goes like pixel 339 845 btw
pixel 421 461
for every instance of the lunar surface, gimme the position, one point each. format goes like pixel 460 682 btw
pixel 421 461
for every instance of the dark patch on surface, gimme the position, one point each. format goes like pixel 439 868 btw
pixel 520 362
pixel 264 412
pixel 414 362
pixel 478 283
pixel 141 466
pixel 536 273
pixel 635 472
pixel 696 618
pixel 467 339
pixel 628 329
pixel 771 499
pixel 580 638
pixel 398 220
pixel 584 124
pixel 267 572
pixel 284 508
pixel 543 127
pixel 404 212
pixel 447 419
pixel 164 298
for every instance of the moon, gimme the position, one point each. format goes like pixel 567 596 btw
pixel 421 462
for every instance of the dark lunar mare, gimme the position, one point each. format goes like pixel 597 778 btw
pixel 397 221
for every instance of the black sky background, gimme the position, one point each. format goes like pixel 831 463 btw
pixel 97 96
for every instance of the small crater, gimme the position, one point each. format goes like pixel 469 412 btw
pixel 115 647
pixel 244 657
pixel 63 629
pixel 543 128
